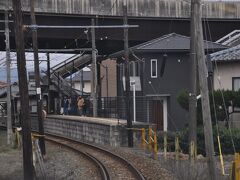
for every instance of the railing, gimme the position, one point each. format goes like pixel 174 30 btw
pixel 114 107
pixel 72 64
pixel 229 38
pixel 64 86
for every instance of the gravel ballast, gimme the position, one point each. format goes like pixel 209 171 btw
pixel 60 163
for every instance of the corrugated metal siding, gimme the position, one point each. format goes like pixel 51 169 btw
pixel 142 8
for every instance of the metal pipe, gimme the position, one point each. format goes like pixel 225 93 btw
pixel 134 100
pixel 79 27
pixel 59 50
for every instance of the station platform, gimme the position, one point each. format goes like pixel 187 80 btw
pixel 103 131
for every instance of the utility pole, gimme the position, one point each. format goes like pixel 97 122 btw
pixel 82 81
pixel 59 94
pixel 37 80
pixel 127 78
pixel 94 72
pixel 23 91
pixel 71 80
pixel 8 62
pixel 106 74
pixel 193 90
pixel 202 70
pixel 49 83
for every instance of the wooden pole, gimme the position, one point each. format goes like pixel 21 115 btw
pixel 193 90
pixel 23 92
pixel 94 73
pixel 82 84
pixel 49 83
pixel 37 80
pixel 127 77
pixel 8 62
pixel 59 94
pixel 202 71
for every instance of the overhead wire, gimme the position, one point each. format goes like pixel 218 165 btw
pixel 221 91
pixel 213 98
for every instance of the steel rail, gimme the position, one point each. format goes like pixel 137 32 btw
pixel 130 166
pixel 103 170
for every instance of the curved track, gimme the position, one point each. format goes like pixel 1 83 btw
pixel 111 165
pixel 102 169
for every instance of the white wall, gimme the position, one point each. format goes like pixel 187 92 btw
pixel 86 88
pixel 226 71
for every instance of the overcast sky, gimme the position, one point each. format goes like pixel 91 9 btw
pixel 54 60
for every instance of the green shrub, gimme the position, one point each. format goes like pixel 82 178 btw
pixel 182 99
pixel 225 138
pixel 231 98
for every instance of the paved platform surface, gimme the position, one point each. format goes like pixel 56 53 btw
pixel 106 121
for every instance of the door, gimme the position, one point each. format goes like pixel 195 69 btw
pixel 157 114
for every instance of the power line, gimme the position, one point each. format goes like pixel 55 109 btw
pixel 80 27
pixel 221 91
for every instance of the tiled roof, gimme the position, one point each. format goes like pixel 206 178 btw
pixel 174 41
pixel 231 54
pixel 170 42
pixel 3 84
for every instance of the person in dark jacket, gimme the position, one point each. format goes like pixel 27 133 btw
pixel 65 106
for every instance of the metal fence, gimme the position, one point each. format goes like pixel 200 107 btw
pixel 115 107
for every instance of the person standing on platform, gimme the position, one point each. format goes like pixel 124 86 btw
pixel 80 104
pixel 85 107
pixel 65 106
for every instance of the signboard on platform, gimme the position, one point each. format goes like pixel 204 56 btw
pixel 38 90
pixel 135 79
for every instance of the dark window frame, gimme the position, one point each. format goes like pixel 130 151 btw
pixel 234 78
pixel 154 76
pixel 234 109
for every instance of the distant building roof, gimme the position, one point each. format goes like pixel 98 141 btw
pixel 231 54
pixel 231 39
pixel 3 84
pixel 86 76
pixel 171 42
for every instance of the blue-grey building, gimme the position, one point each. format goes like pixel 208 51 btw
pixel 163 67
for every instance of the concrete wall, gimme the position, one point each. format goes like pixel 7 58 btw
pixel 93 130
pixel 90 132
pixel 226 71
pixel 84 130
pixel 140 8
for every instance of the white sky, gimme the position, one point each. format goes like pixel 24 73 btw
pixel 55 58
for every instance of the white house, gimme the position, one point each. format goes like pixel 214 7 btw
pixel 82 81
pixel 226 75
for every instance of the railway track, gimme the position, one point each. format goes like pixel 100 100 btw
pixel 110 165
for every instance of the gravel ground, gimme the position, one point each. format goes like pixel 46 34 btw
pixel 149 167
pixel 60 163
pixel 171 169
pixel 65 164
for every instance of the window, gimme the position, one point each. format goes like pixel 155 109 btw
pixel 236 87
pixel 236 83
pixel 153 68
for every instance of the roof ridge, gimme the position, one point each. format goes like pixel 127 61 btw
pixel 155 40
pixel 174 34
pixel 225 50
